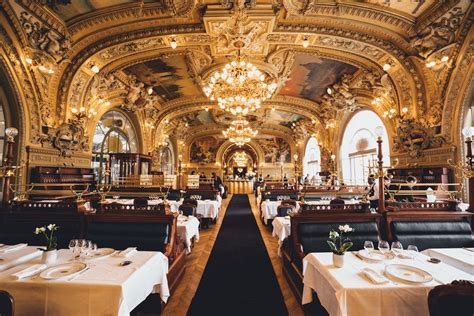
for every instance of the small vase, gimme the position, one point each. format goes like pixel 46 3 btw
pixel 338 260
pixel 49 257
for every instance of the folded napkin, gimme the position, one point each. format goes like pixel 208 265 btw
pixel 130 251
pixel 31 270
pixel 374 276
pixel 7 249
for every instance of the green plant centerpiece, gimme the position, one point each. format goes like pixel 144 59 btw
pixel 337 242
pixel 51 239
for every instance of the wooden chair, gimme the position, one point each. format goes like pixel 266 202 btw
pixel 456 298
pixel 191 201
pixel 7 306
pixel 284 209
pixel 289 202
pixel 140 202
pixel 337 201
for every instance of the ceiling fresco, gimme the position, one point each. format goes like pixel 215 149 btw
pixel 311 75
pixel 413 7
pixel 168 76
pixel 68 9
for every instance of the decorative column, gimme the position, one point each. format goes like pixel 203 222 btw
pixel 11 133
pixel 468 132
pixel 295 161
pixel 380 172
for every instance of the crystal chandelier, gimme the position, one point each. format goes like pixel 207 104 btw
pixel 239 132
pixel 240 159
pixel 239 87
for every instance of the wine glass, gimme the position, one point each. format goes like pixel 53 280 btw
pixel 73 247
pixel 397 247
pixel 93 248
pixel 384 247
pixel 412 251
pixel 369 246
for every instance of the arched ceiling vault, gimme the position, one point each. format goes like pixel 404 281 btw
pixel 364 50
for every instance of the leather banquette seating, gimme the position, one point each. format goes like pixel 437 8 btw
pixel 433 233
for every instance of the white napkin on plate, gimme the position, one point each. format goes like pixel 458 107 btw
pixel 130 251
pixel 374 276
pixel 7 249
pixel 31 270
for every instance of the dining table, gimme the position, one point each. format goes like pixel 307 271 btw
pixel 349 290
pixel 281 230
pixel 188 228
pixel 460 258
pixel 104 286
pixel 269 209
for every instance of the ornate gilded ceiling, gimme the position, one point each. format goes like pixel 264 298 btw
pixel 75 60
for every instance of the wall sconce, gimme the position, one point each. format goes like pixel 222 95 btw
pixel 173 43
pixel 437 63
pixel 305 42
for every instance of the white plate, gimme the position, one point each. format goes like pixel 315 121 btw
pixel 63 270
pixel 408 273
pixel 372 256
pixel 102 253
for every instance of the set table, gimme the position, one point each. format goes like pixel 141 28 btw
pixel 205 208
pixel 269 209
pixel 346 291
pixel 105 288
pixel 460 258
pixel 188 228
pixel 281 230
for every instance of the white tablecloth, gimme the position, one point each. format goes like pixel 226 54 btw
pixel 105 289
pixel 281 230
pixel 345 291
pixel 459 258
pixel 269 209
pixel 327 202
pixel 13 258
pixel 187 229
pixel 208 208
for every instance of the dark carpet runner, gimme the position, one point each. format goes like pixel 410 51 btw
pixel 239 277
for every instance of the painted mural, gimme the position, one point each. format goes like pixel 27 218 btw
pixel 169 77
pixel 311 75
pixel 275 149
pixel 70 8
pixel 204 149
pixel 414 7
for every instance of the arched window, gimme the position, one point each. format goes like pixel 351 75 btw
pixel 468 125
pixel 114 133
pixel 312 158
pixel 166 160
pixel 359 146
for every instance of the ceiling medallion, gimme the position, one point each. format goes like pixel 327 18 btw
pixel 239 87
pixel 239 132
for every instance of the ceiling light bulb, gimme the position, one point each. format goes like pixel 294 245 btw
pixel 29 60
pixel 305 42
pixel 173 43
pixel 386 67
pixel 329 90
pixel 405 110
pixel 445 58
pixel 107 103
pixel 150 90
pixel 206 109
pixel 95 69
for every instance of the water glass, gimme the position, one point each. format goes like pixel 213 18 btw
pixel 397 247
pixel 384 247
pixel 369 246
pixel 412 251
pixel 73 247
